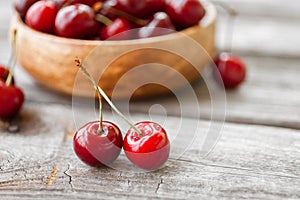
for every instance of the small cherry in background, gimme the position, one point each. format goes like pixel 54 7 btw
pixel 11 97
pixel 41 16
pixel 159 25
pixel 184 13
pixel 148 149
pixel 231 68
pixel 76 21
pixel 11 100
pixel 119 28
pixel 99 142
pixel 4 72
pixel 22 6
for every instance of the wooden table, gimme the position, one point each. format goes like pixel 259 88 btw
pixel 256 156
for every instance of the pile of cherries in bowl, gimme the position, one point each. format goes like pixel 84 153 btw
pixel 102 19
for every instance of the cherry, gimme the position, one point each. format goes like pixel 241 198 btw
pixel 11 97
pixel 146 143
pixel 119 28
pixel 22 6
pixel 159 25
pixel 4 72
pixel 11 100
pixel 100 142
pixel 231 68
pixel 41 16
pixel 184 13
pixel 98 148
pixel 76 21
pixel 151 149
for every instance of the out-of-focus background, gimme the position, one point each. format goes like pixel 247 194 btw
pixel 264 27
pixel 256 156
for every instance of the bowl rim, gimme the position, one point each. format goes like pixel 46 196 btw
pixel 208 19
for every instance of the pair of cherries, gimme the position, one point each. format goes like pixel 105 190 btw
pixel 146 144
pixel 99 143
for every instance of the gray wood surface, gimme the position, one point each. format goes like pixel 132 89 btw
pixel 256 153
pixel 249 161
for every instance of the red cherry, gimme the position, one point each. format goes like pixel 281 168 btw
pixel 185 13
pixel 41 16
pixel 11 100
pixel 159 25
pixel 150 150
pixel 22 6
pixel 76 21
pixel 97 149
pixel 4 74
pixel 119 29
pixel 231 68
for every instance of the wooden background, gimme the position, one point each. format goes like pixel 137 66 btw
pixel 256 156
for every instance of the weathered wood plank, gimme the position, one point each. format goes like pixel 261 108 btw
pixel 248 161
pixel 270 96
pixel 268 87
pixel 259 36
pixel 265 8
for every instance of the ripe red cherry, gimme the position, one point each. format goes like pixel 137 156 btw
pixel 4 74
pixel 184 13
pixel 97 149
pixel 231 68
pixel 119 29
pixel 150 150
pixel 159 25
pixel 41 16
pixel 76 21
pixel 22 6
pixel 11 100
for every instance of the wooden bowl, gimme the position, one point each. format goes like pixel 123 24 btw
pixel 165 63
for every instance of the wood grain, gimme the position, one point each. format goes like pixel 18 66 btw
pixel 269 96
pixel 266 8
pixel 249 161
pixel 255 157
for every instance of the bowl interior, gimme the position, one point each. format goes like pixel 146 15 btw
pixel 129 68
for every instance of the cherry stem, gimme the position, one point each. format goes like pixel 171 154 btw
pixel 99 6
pixel 12 60
pixel 84 70
pixel 226 7
pixel 104 20
pixel 103 94
pixel 67 3
pixel 136 20
pixel 230 29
